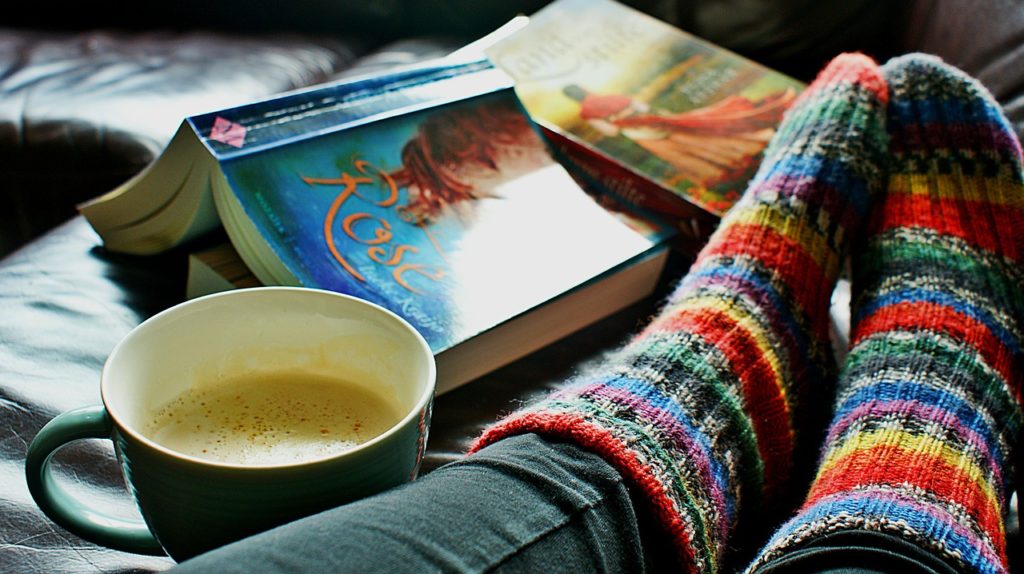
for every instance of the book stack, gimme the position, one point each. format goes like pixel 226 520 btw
pixel 429 189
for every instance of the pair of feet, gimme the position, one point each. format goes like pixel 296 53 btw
pixel 715 408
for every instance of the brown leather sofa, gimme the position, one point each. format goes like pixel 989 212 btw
pixel 88 97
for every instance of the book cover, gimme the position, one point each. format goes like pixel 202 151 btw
pixel 438 200
pixel 454 217
pixel 669 121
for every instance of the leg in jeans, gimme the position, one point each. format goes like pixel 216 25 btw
pixel 928 410
pixel 523 505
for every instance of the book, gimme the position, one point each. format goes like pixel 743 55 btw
pixel 427 191
pixel 668 121
pixel 215 269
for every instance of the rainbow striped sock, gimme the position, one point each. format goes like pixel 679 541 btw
pixel 929 401
pixel 699 411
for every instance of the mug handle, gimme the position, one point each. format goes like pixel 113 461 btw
pixel 89 522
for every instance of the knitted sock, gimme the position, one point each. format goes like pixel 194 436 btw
pixel 699 411
pixel 929 400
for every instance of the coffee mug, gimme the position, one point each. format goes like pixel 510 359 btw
pixel 280 337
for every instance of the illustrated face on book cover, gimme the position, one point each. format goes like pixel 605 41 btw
pixel 454 217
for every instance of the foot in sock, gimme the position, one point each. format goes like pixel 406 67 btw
pixel 929 401
pixel 700 411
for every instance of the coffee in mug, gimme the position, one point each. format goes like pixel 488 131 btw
pixel 234 374
pixel 272 418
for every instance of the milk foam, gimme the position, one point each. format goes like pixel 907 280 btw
pixel 279 418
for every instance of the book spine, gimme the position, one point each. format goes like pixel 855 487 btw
pixel 694 224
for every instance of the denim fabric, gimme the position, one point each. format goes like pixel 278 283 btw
pixel 523 504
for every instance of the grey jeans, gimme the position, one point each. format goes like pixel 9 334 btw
pixel 523 504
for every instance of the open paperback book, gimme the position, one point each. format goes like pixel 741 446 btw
pixel 426 191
